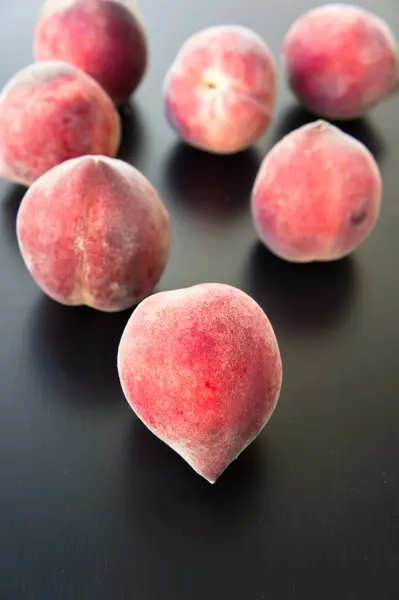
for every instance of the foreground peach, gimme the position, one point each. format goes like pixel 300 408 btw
pixel 201 368
pixel 51 112
pixel 104 38
pixel 341 60
pixel 317 195
pixel 220 90
pixel 93 231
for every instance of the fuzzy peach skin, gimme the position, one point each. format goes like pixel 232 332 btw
pixel 341 60
pixel 104 38
pixel 201 368
pixel 94 231
pixel 51 112
pixel 317 195
pixel 220 91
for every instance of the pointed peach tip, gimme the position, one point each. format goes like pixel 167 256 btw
pixel 320 124
pixel 211 480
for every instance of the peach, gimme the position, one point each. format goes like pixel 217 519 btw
pixel 341 60
pixel 94 231
pixel 104 38
pixel 51 112
pixel 317 195
pixel 220 90
pixel 201 368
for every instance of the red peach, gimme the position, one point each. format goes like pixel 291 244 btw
pixel 94 231
pixel 104 38
pixel 201 368
pixel 341 60
pixel 51 112
pixel 317 195
pixel 220 90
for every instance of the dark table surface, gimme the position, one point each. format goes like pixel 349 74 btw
pixel 92 506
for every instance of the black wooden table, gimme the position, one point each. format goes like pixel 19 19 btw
pixel 92 506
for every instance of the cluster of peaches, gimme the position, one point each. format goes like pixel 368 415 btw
pixel 201 366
